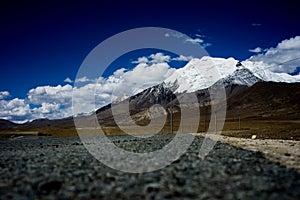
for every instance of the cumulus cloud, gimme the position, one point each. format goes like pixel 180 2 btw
pixel 68 80
pixel 54 94
pixel 47 101
pixel 4 94
pixel 285 57
pixel 199 41
pixel 41 102
pixel 56 101
pixel 16 110
pixel 159 58
pixel 82 79
pixel 194 41
pixel 183 58
pixel 153 58
pixel 256 50
pixel 141 60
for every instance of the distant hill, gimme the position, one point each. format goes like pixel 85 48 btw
pixel 6 124
pixel 65 122
pixel 267 100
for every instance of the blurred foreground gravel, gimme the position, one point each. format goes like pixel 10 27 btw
pixel 61 168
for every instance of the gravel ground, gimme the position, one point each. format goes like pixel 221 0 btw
pixel 286 152
pixel 56 168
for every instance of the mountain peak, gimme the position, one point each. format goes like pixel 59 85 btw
pixel 241 76
pixel 239 65
pixel 195 75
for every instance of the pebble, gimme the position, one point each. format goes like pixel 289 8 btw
pixel 49 186
pixel 287 154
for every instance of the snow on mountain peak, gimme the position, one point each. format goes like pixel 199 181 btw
pixel 202 73
pixel 241 76
pixel 263 71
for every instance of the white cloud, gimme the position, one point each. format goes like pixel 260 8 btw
pixel 290 44
pixel 56 101
pixel 48 100
pixel 256 50
pixel 204 45
pixel 119 72
pixel 82 79
pixel 16 109
pixel 4 94
pixel 141 60
pixel 68 80
pixel 183 58
pixel 285 57
pixel 47 108
pixel 54 94
pixel 199 41
pixel 200 36
pixel 194 41
pixel 153 58
pixel 174 34
pixel 159 58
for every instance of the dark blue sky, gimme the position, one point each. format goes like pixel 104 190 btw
pixel 43 42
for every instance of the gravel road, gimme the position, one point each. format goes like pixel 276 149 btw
pixel 56 168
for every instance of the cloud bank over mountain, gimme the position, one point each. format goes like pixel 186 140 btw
pixel 285 57
pixel 56 101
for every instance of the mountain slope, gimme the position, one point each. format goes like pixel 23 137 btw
pixel 241 76
pixel 267 100
pixel 6 124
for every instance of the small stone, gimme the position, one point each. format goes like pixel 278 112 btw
pixel 253 137
pixel 48 186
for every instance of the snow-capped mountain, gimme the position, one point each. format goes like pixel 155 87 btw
pixel 263 71
pixel 202 73
pixel 241 76
pixel 196 77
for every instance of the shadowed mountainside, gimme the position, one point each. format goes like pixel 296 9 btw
pixel 267 100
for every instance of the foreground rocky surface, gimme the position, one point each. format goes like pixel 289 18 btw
pixel 55 168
